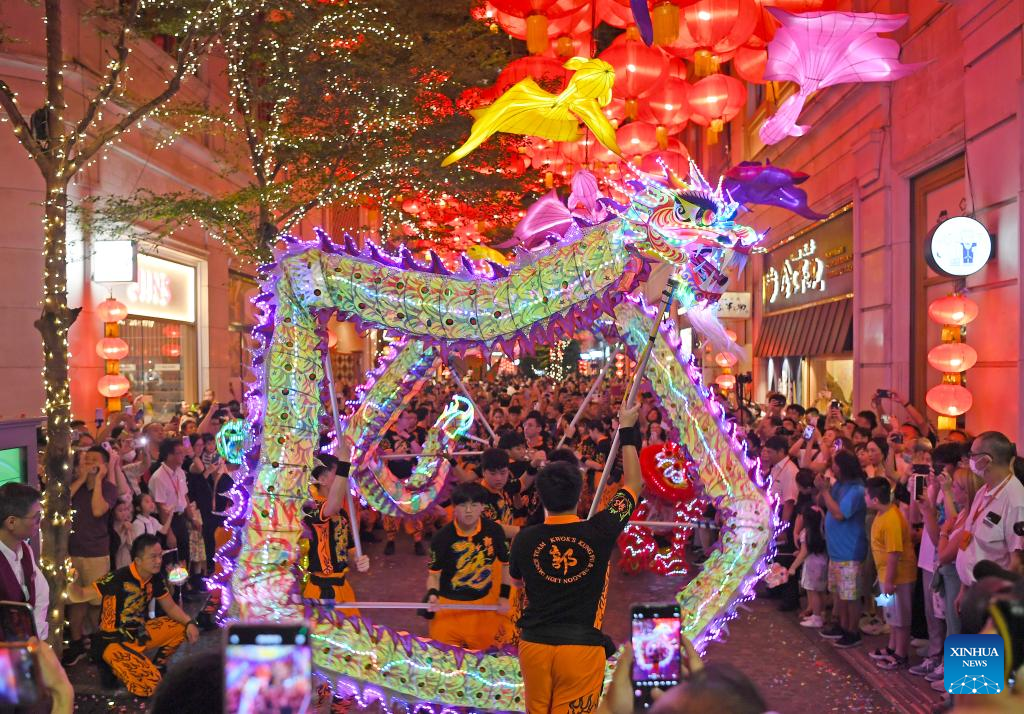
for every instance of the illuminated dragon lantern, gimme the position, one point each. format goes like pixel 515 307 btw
pixel 588 271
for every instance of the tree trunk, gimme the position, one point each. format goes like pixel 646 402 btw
pixel 53 326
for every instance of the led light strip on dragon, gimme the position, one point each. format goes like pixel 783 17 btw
pixel 545 295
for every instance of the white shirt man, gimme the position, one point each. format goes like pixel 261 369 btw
pixel 989 527
pixel 169 487
pixel 22 513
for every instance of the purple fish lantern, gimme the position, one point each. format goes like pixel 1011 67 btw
pixel 767 185
pixel 819 49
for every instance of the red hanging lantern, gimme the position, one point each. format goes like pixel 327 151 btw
pixel 614 13
pixel 951 357
pixel 637 138
pixel 749 64
pixel 536 14
pixel 112 348
pixel 668 108
pixel 953 310
pixel 726 359
pixel 678 162
pixel 112 386
pixel 726 381
pixel 711 28
pixel 638 68
pixel 111 310
pixel 950 400
pixel 715 100
pixel 546 71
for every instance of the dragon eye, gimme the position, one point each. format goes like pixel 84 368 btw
pixel 706 217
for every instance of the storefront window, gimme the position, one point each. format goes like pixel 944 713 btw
pixel 158 363
pixel 163 354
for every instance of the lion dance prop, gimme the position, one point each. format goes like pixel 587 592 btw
pixel 589 271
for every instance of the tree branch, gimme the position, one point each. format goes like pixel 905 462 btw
pixel 121 53
pixel 21 127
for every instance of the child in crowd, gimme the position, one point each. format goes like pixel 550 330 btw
pixel 813 556
pixel 893 552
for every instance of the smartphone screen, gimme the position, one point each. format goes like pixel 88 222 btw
pixel 808 431
pixel 18 687
pixel 267 663
pixel 187 442
pixel 17 622
pixel 657 661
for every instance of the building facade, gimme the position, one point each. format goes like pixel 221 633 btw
pixel 840 305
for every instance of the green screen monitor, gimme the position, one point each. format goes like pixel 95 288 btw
pixel 13 466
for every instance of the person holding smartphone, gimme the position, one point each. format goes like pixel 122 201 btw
pixel 562 564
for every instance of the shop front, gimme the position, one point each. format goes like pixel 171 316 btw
pixel 804 345
pixel 161 331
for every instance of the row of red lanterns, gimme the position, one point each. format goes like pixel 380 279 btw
pixel 952 357
pixel 112 349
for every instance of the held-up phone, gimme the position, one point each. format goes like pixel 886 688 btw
pixel 657 641
pixel 886 419
pixel 187 442
pixel 19 683
pixel 920 483
pixel 265 662
pixel 808 431
pixel 17 622
pixel 884 394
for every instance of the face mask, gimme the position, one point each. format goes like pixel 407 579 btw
pixel 128 456
pixel 975 468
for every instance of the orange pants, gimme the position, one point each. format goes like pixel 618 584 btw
pixel 561 679
pixel 392 524
pixel 471 629
pixel 340 593
pixel 130 664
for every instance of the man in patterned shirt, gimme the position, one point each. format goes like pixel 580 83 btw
pixel 125 634
pixel 563 565
pixel 469 564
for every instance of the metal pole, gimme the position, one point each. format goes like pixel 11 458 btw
pixel 385 605
pixel 479 413
pixel 350 504
pixel 385 457
pixel 695 523
pixel 586 400
pixel 641 367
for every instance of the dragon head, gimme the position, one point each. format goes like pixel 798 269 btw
pixel 688 224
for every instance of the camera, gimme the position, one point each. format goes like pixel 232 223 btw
pixel 745 378
pixel 1018 528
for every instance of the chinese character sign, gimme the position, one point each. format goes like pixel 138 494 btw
pixel 802 272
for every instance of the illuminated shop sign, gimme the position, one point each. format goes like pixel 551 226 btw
pixel 813 266
pixel 959 247
pixel 164 290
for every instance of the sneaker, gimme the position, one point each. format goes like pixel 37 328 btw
pixel 418 548
pixel 918 642
pixel 848 640
pixel 812 621
pixel 832 632
pixel 73 653
pixel 891 664
pixel 938 686
pixel 925 667
pixel 881 653
pixel 389 548
pixel 936 674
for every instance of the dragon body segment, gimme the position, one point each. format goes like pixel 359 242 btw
pixel 541 297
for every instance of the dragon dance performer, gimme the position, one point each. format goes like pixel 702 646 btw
pixel 331 546
pixel 125 634
pixel 468 564
pixel 563 565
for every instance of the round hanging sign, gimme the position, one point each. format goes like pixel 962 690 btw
pixel 958 247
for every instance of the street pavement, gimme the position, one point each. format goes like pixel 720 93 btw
pixel 795 669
